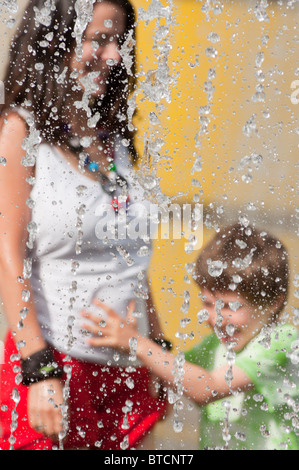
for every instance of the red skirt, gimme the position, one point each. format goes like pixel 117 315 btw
pixel 98 395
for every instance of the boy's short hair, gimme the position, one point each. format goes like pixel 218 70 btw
pixel 248 261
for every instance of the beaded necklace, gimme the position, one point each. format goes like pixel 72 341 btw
pixel 112 183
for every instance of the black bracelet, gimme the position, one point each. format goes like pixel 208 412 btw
pixel 40 366
pixel 164 343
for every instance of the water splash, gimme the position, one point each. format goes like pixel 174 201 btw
pixel 43 15
pixel 84 11
pixel 204 111
pixel 141 290
pixel 31 144
pixel 155 87
pixel 79 226
pixel 126 50
pixel 213 6
pixel 133 349
pixel 90 87
pixel 149 180
pixel 225 425
pixel 250 127
pixel 32 231
pixel 14 418
pixel 125 255
pixel 175 395
pixel 186 304
pixel 25 295
pixel 23 314
pixel 260 10
pixel 9 5
pixel 64 407
pixel 202 316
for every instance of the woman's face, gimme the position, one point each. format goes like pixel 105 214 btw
pixel 100 47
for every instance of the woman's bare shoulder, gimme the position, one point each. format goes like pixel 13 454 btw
pixel 13 130
pixel 12 124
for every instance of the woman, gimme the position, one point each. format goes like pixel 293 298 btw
pixel 64 143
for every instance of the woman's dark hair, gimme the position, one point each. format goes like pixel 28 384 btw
pixel 248 261
pixel 47 39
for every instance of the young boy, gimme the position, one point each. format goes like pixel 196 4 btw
pixel 242 375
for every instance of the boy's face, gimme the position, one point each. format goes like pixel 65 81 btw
pixel 233 317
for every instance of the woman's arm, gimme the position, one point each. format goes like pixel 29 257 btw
pixel 199 384
pixel 15 216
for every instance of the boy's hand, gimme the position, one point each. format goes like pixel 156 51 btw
pixel 111 330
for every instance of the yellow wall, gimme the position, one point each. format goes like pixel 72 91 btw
pixel 271 192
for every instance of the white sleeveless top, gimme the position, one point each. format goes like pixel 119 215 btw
pixel 63 282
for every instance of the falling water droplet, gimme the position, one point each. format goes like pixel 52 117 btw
pixel 10 5
pixel 234 306
pixel 217 9
pixel 178 426
pixel 215 268
pixel 259 58
pixel 39 66
pixel 211 52
pixel 125 443
pixel 149 182
pixel 143 251
pixel 125 255
pixel 203 315
pixel 230 329
pixel 108 23
pixel 214 37
pixel 75 266
pixel 27 269
pixel 184 322
pixel 130 383
pixel 247 178
pixel 240 436
pixel 133 349
pixel 25 295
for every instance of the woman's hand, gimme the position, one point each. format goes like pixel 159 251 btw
pixel 44 407
pixel 111 330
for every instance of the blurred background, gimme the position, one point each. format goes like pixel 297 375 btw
pixel 215 100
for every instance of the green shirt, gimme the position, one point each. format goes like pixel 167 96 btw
pixel 266 416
